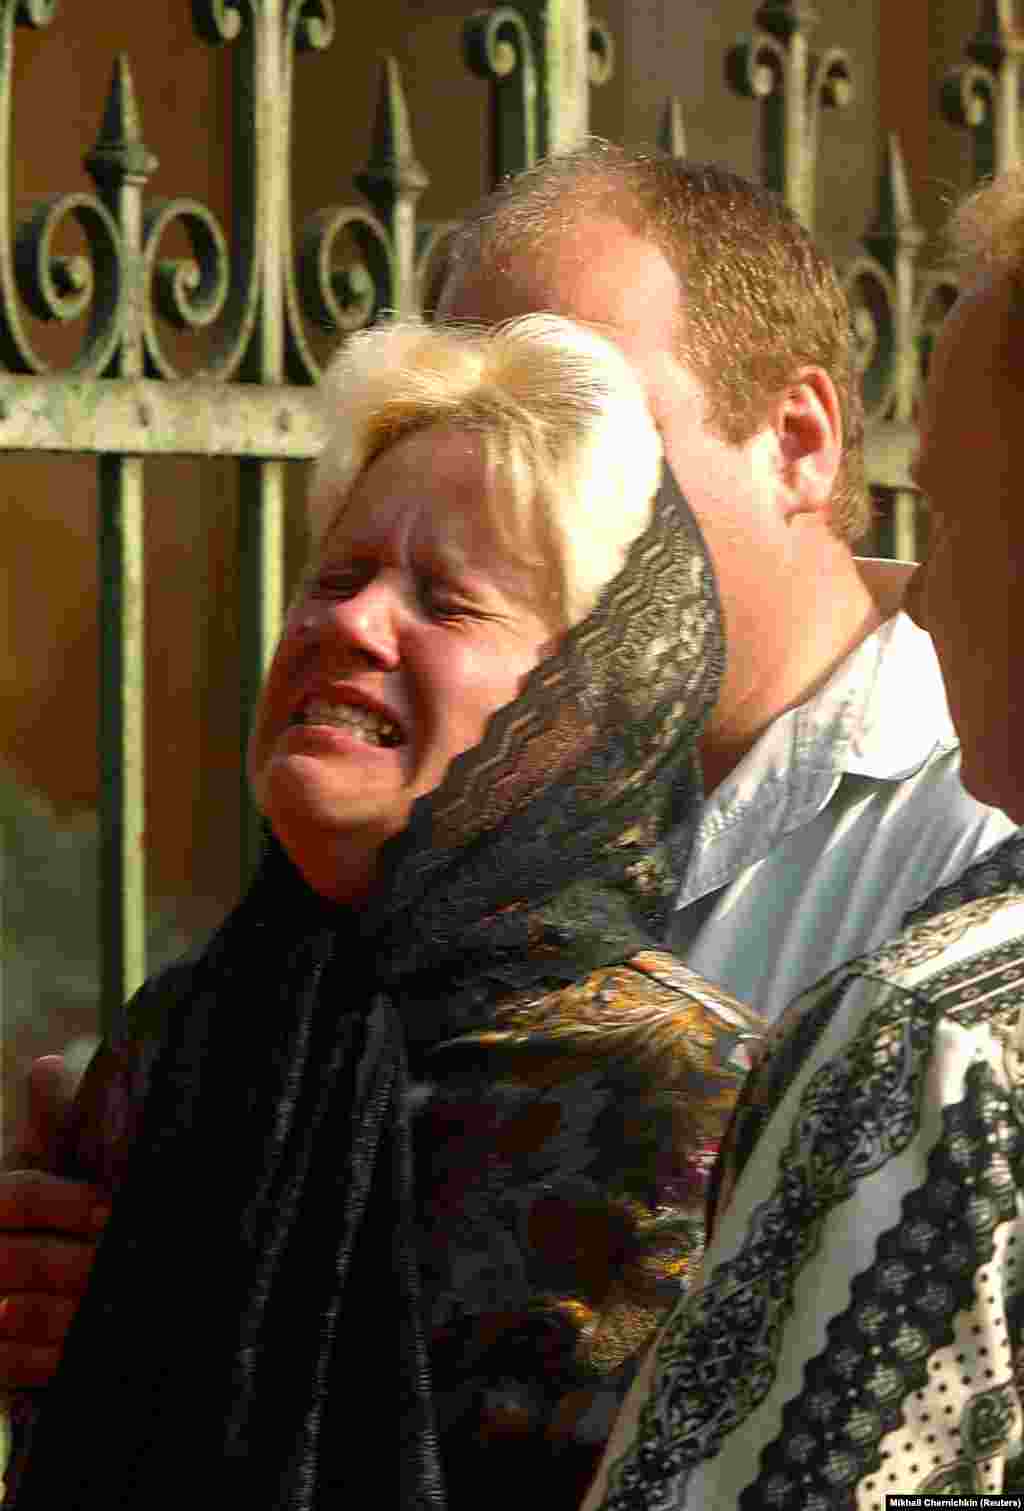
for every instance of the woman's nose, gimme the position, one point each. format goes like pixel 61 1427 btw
pixel 368 620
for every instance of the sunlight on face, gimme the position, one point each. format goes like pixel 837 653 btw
pixel 413 629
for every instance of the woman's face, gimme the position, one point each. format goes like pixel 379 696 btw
pixel 413 628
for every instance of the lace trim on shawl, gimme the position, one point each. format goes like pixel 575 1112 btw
pixel 718 1357
pixel 552 831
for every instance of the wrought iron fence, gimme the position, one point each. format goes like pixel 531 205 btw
pixel 122 399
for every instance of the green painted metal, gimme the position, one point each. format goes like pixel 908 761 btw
pixel 393 181
pixel 396 253
pixel 262 125
pixel 498 45
pixel 541 58
pixel 777 66
pixel 143 417
pixel 896 241
pixel 120 164
pixel 260 562
pixel 672 136
pixel 53 288
pixel 983 94
pixel 562 28
pixel 122 893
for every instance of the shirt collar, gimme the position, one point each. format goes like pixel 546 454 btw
pixel 881 714
pixel 883 711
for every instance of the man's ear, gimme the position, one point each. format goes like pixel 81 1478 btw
pixel 809 429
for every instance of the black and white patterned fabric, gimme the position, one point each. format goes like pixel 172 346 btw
pixel 859 1332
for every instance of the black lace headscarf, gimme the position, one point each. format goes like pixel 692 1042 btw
pixel 252 1333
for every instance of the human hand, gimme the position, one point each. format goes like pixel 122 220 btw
pixel 49 1228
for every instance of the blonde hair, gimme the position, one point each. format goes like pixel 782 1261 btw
pixel 572 456
pixel 986 230
pixel 759 300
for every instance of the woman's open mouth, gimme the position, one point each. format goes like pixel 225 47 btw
pixel 370 726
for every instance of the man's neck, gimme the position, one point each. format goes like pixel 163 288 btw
pixel 837 622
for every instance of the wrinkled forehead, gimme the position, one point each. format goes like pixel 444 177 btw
pixel 422 534
pixel 433 481
pixel 429 502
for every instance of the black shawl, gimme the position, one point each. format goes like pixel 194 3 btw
pixel 224 1351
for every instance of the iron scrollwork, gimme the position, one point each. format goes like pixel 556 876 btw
pixel 52 287
pixel 189 293
pixel 64 288
pixel 983 95
pixel 399 261
pixel 121 283
pixel 883 291
pixel 871 291
pixel 255 288
pixel 346 298
pixel 890 306
pixel 777 67
pixel 540 58
pixel 392 251
pixel 498 46
pixel 261 329
pixel 600 52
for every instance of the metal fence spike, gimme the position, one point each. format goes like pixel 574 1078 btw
pixel 672 135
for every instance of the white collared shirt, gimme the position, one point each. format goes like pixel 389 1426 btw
pixel 847 812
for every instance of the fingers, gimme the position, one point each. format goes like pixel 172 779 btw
pixel 48 1235
pixel 27 1366
pixel 51 1087
pixel 34 1322
pixel 32 1262
pixel 48 1232
pixel 35 1319
pixel 31 1199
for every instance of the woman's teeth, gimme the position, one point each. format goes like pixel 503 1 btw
pixel 370 726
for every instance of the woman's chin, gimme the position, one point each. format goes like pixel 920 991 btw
pixel 329 772
pixel 333 831
pixel 338 864
pixel 330 780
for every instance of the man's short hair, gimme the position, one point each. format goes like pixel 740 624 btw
pixel 759 300
pixel 986 230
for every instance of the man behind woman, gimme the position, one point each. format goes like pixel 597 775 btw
pixel 833 801
pixel 860 1332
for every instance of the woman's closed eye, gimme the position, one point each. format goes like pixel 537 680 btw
pixel 339 582
pixel 442 602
